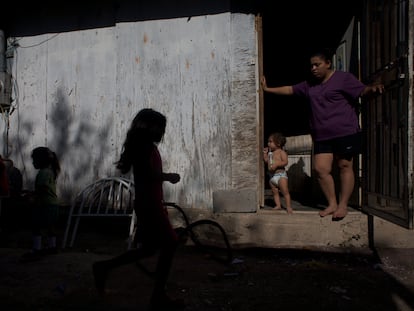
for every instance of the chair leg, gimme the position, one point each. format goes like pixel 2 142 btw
pixel 68 224
pixel 75 229
pixel 131 229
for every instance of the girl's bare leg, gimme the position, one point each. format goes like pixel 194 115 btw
pixel 276 197
pixel 283 184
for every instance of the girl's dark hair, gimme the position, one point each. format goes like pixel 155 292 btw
pixel 147 128
pixel 279 139
pixel 45 158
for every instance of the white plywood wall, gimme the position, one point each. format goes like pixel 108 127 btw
pixel 77 93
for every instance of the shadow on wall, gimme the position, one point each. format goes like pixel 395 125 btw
pixel 80 144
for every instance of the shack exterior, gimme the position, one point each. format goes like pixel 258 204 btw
pixel 73 79
pixel 77 92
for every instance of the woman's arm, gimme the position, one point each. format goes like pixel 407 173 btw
pixel 280 90
pixel 373 89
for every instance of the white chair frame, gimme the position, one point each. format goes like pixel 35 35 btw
pixel 106 197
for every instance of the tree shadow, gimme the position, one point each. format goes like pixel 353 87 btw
pixel 70 133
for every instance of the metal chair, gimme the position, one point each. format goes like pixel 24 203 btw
pixel 107 197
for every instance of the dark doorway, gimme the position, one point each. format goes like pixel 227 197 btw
pixel 290 33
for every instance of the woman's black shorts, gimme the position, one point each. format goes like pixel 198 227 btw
pixel 347 145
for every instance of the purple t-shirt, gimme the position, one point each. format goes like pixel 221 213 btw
pixel 332 104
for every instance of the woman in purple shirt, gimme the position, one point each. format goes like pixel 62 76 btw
pixel 334 125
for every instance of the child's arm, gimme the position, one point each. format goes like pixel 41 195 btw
pixel 160 176
pixel 265 155
pixel 147 170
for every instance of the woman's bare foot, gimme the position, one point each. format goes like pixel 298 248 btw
pixel 327 211
pixel 340 212
pixel 289 210
pixel 277 208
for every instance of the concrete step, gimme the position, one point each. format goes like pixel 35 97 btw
pixel 277 229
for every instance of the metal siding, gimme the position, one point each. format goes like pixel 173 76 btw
pixel 388 167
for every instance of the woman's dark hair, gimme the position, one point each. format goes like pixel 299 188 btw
pixel 147 128
pixel 45 157
pixel 324 53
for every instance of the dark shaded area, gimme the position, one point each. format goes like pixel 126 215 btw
pixel 61 16
pixel 317 18
pixel 306 197
pixel 291 31
pixel 258 279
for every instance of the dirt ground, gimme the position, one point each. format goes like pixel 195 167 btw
pixel 256 279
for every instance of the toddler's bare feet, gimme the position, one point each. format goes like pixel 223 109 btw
pixel 327 211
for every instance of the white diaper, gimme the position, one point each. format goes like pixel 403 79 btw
pixel 276 177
